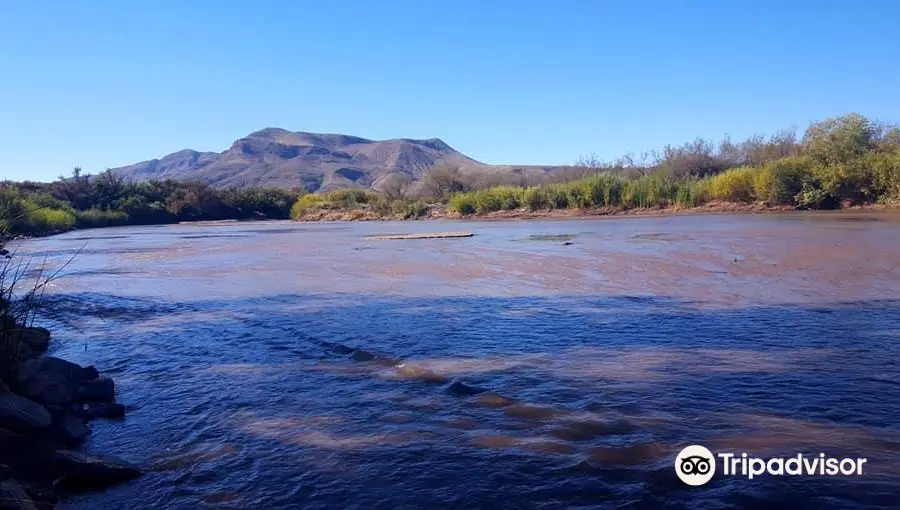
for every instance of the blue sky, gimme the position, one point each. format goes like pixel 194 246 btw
pixel 102 84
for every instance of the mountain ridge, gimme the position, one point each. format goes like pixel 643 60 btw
pixel 277 157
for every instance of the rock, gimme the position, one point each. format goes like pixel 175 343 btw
pixel 110 410
pixel 19 413
pixel 19 345
pixel 461 388
pixel 50 381
pixel 406 371
pixel 362 356
pixel 98 390
pixel 3 387
pixel 90 373
pixel 36 338
pixel 28 456
pixel 491 399
pixel 14 497
pixel 79 470
pixel 70 429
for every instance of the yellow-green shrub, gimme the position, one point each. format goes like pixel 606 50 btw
pixel 306 204
pixel 735 185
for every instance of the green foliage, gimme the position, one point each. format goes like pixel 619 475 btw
pixel 692 192
pixel 96 218
pixel 649 191
pixel 886 170
pixel 840 140
pixel 735 185
pixel 305 204
pixel 778 182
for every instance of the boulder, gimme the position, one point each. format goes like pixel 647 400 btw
pixel 38 339
pixel 110 410
pixel 461 388
pixel 90 373
pixel 19 413
pixel 491 399
pixel 407 371
pixel 78 470
pixel 70 429
pixel 98 390
pixel 14 497
pixel 49 380
pixel 27 455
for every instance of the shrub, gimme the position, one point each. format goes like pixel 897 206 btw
pixel 463 203
pixel 735 185
pixel 535 198
pixel 692 192
pixel 654 190
pixel 779 182
pixel 306 204
pixel 40 220
pixel 95 218
pixel 886 170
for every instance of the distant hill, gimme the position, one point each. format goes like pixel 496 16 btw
pixel 317 162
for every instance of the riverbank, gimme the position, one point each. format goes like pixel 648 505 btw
pixel 442 212
pixel 46 405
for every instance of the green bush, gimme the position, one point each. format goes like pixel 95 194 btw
pixel 305 204
pixel 97 218
pixel 535 198
pixel 692 192
pixel 886 169
pixel 39 220
pixel 654 190
pixel 779 182
pixel 462 203
pixel 735 185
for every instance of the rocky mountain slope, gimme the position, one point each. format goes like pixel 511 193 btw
pixel 317 162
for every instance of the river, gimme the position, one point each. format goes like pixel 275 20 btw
pixel 283 365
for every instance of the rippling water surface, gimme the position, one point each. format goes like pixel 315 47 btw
pixel 280 365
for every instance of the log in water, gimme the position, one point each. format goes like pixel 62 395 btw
pixel 427 235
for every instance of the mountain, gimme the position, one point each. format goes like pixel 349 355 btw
pixel 317 162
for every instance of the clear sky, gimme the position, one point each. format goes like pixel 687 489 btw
pixel 103 84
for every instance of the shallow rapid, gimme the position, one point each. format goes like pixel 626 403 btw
pixel 538 364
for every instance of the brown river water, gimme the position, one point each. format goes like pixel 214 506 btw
pixel 282 365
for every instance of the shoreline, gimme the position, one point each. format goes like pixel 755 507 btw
pixel 46 407
pixel 441 212
pixel 601 212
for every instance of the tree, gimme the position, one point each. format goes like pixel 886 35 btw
pixel 109 188
pixel 396 185
pixel 75 189
pixel 442 181
pixel 840 140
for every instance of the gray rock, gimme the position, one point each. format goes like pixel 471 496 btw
pixel 70 429
pixel 110 410
pixel 98 390
pixel 79 470
pixel 14 497
pixel 19 413
pixel 49 380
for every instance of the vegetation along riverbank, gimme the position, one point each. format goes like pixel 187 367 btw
pixel 849 161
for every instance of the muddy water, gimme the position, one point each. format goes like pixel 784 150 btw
pixel 277 365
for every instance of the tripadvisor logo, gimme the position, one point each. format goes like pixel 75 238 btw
pixel 696 465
